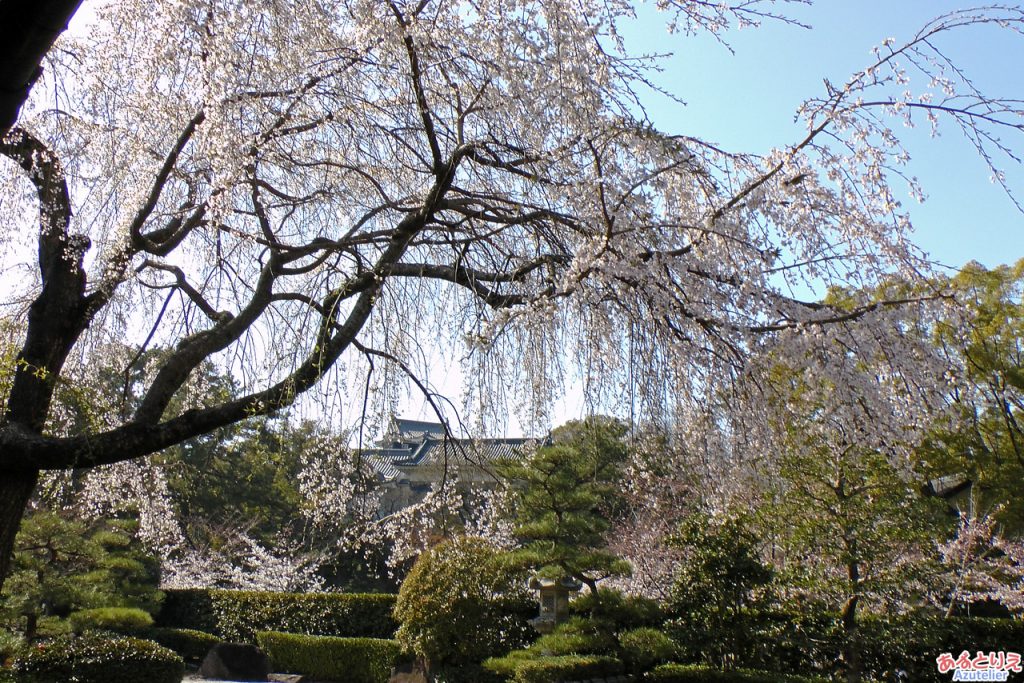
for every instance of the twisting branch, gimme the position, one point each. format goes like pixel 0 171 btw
pixel 181 283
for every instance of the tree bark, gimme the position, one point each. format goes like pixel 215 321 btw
pixel 31 626
pixel 27 31
pixel 56 319
pixel 851 640
pixel 15 491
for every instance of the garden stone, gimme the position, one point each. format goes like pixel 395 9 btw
pixel 235 662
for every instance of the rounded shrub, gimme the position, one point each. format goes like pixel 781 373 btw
pixel 643 648
pixel 119 619
pixel 618 610
pixel 577 636
pixel 460 605
pixel 91 659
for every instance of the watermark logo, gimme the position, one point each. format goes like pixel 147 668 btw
pixel 983 666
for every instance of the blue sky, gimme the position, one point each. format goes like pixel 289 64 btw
pixel 745 101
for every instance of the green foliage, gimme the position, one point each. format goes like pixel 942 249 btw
pixel 190 608
pixel 813 643
pixel 93 659
pixel 468 673
pixel 238 615
pixel 50 552
pixel 326 658
pixel 687 673
pixel 577 636
pixel 460 604
pixel 585 637
pixel 61 565
pixel 52 627
pixel 11 645
pixel 554 669
pixel 125 575
pixel 563 498
pixel 619 611
pixel 119 619
pixel 809 642
pixel 191 645
pixel 850 529
pixel 912 643
pixel 720 578
pixel 643 648
pixel 245 472
pixel 987 344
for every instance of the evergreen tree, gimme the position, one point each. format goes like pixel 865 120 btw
pixel 563 499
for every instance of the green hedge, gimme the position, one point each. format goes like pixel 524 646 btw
pixel 326 658
pixel 190 608
pixel 812 643
pixel 239 615
pixel 912 643
pixel 91 659
pixel 680 673
pixel 191 645
pixel 523 669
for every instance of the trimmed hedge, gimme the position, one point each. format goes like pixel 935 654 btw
pixel 352 660
pixel 912 643
pixel 119 619
pixel 191 645
pixel 190 608
pixel 91 659
pixel 680 673
pixel 239 615
pixel 520 669
pixel 468 673
pixel 812 643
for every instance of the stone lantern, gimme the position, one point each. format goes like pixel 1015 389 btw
pixel 553 596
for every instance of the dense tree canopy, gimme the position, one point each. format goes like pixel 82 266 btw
pixel 306 191
pixel 984 346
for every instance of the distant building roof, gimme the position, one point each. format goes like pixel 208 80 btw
pixel 409 444
pixel 406 431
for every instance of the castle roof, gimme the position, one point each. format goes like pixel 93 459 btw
pixel 409 444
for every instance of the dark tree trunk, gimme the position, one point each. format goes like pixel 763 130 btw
pixel 15 490
pixel 56 319
pixel 31 626
pixel 27 30
pixel 851 635
pixel 851 646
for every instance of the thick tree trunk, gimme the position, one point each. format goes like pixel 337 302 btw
pixel 851 639
pixel 15 490
pixel 27 30
pixel 56 318
pixel 851 648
